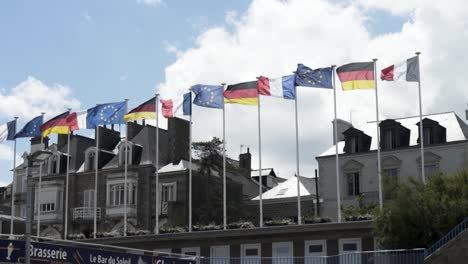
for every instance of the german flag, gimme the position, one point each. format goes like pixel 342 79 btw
pixel 146 110
pixel 57 125
pixel 356 76
pixel 242 93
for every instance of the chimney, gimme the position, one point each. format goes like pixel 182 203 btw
pixel 342 127
pixel 178 132
pixel 245 160
pixel 108 138
pixel 133 128
pixel 36 144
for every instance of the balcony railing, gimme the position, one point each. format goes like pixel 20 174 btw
pixel 164 208
pixel 85 213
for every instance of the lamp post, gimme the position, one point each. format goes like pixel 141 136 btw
pixel 40 156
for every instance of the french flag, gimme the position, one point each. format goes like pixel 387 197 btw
pixel 278 87
pixel 77 120
pixel 405 71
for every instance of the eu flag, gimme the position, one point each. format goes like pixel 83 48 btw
pixel 210 96
pixel 31 129
pixel 319 78
pixel 106 114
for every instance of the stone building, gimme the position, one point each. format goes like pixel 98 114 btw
pixel 141 191
pixel 445 150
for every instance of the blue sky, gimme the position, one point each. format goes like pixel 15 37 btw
pixel 110 50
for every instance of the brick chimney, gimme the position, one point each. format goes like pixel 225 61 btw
pixel 245 160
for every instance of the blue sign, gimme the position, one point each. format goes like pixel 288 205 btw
pixel 13 251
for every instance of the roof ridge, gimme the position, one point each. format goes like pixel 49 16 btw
pixel 408 117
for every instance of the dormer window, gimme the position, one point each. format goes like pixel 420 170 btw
pixel 388 139
pixel 356 141
pixel 91 161
pixel 125 148
pixel 54 164
pixel 428 138
pixel 394 135
pixel 433 132
pixel 353 146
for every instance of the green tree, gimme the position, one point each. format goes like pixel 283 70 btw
pixel 418 215
pixel 210 154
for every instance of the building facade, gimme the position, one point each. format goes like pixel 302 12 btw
pixel 445 151
pixel 173 190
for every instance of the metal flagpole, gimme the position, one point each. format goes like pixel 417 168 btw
pixel 379 165
pixel 156 227
pixel 13 187
pixel 260 184
pixel 38 203
pixel 96 156
pixel 224 168
pixel 299 217
pixel 421 129
pixel 125 172
pixel 337 161
pixel 190 163
pixel 67 180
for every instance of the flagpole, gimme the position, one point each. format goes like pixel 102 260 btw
pixel 260 187
pixel 156 227
pixel 38 203
pixel 67 179
pixel 379 165
pixel 337 156
pixel 421 129
pixel 299 217
pixel 96 156
pixel 125 172
pixel 13 187
pixel 224 167
pixel 190 164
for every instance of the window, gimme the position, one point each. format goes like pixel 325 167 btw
pixel 282 252
pixel 54 164
pixel 353 146
pixel 352 180
pixel 313 249
pixel 117 194
pixel 193 251
pixel 91 160
pixel 430 169
pixel 219 255
pixel 350 248
pixel 388 139
pixel 88 198
pixel 250 254
pixel 393 172
pixel 122 152
pixel 427 132
pixel 47 207
pixel 168 193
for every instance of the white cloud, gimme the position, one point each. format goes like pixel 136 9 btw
pixel 272 36
pixel 31 97
pixel 150 2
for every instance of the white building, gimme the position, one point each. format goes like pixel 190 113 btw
pixel 445 150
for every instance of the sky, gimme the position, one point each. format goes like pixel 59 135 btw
pixel 56 55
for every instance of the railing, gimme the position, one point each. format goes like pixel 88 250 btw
pixel 410 256
pixel 449 236
pixel 164 208
pixel 85 213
